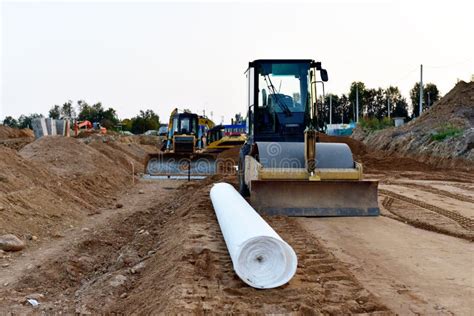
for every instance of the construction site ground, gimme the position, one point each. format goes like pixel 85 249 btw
pixel 100 241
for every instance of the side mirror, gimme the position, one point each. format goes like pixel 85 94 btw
pixel 324 75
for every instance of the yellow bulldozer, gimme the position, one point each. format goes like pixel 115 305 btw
pixel 223 137
pixel 182 151
pixel 282 165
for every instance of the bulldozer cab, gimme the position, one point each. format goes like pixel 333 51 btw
pixel 183 132
pixel 279 99
pixel 185 123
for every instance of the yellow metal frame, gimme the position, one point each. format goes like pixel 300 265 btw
pixel 217 143
pixel 255 171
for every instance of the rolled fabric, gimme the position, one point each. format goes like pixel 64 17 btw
pixel 259 256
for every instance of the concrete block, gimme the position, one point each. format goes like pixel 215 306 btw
pixel 61 127
pixel 39 127
pixel 51 126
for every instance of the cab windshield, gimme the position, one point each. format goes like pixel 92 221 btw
pixel 283 88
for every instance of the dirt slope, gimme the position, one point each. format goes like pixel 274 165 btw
pixel 8 132
pixel 56 182
pixel 34 200
pixel 456 110
pixel 15 138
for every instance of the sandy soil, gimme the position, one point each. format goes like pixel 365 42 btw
pixel 164 253
pixel 106 246
pixel 412 271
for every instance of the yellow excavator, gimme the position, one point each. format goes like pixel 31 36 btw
pixel 283 166
pixel 182 152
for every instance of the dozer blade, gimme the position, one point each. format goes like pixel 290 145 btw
pixel 315 198
pixel 181 164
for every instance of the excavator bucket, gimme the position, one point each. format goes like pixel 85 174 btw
pixel 181 164
pixel 315 198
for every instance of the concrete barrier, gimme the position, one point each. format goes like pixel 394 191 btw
pixel 39 127
pixel 51 126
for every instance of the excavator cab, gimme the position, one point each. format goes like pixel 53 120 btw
pixel 282 166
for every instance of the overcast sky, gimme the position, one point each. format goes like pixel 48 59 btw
pixel 159 55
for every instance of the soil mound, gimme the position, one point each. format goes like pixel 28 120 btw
pixel 358 148
pixel 8 132
pixel 33 200
pixel 94 175
pixel 443 136
pixel 15 138
pixel 56 181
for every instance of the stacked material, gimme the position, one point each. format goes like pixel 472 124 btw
pixel 260 257
pixel 48 126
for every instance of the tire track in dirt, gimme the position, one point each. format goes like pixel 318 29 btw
pixel 430 189
pixel 208 284
pixel 460 219
pixel 394 213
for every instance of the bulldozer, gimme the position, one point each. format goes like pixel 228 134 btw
pixel 182 152
pixel 223 137
pixel 282 166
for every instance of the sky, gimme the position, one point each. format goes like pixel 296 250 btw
pixel 162 55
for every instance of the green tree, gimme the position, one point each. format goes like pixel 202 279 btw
pixel 109 118
pixel 398 104
pixel 146 120
pixel 374 104
pixel 67 110
pixel 86 112
pixel 55 112
pixel 24 121
pixel 362 97
pixel 10 121
pixel 97 114
pixel 335 105
pixel 127 124
pixel 430 96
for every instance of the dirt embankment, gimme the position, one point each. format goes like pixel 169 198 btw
pixel 34 200
pixel 8 132
pixel 452 116
pixel 375 161
pixel 55 182
pixel 15 138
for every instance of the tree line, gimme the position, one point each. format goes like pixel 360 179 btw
pixel 374 103
pixel 96 113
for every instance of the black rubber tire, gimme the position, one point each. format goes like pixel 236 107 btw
pixel 243 188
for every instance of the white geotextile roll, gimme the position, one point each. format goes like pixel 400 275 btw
pixel 260 257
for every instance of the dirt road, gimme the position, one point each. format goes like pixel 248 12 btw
pixel 412 271
pixel 418 257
